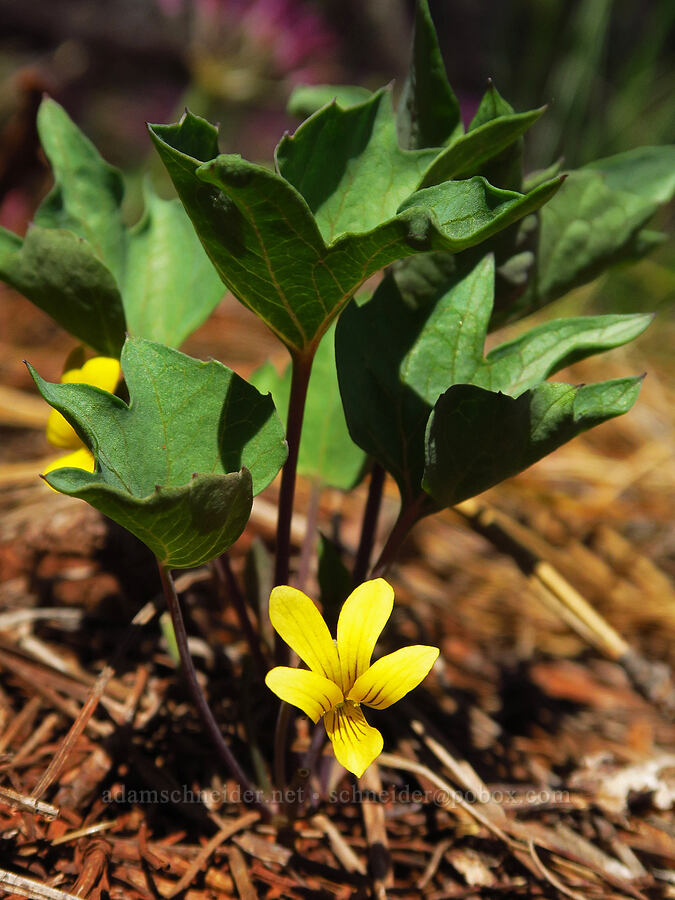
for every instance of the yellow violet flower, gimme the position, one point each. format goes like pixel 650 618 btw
pixel 340 676
pixel 102 372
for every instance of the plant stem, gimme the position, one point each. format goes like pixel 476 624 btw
pixel 280 741
pixel 197 694
pixel 225 575
pixel 302 368
pixel 369 524
pixel 306 551
pixel 299 788
pixel 407 518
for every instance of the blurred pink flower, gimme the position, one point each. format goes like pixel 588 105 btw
pixel 289 35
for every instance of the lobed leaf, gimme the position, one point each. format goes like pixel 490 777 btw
pixel 87 194
pixel 396 358
pixel 348 166
pixel 62 275
pixel 647 171
pixel 306 99
pixel 476 438
pixel 492 106
pixel 468 154
pixel 171 287
pixel 184 526
pixel 269 250
pixel 183 417
pixel 97 278
pixel 428 112
pixel 596 220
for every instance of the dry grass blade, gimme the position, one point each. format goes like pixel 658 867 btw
pixel 550 877
pixel 27 887
pixel 200 861
pixel 339 845
pixel 462 772
pixel 83 832
pixel 28 804
pixel 434 863
pixel 19 722
pixel 449 798
pixel 240 875
pixel 376 831
pixel 60 759
pixel 513 538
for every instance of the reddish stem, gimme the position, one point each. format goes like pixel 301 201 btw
pixel 200 701
pixel 302 368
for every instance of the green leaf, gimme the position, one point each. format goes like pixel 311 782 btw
pixel 306 99
pixel 184 417
pixel 521 363
pixel 347 165
pixel 170 285
pixel 87 194
pixel 467 213
pixel 539 176
pixel 469 154
pixel 583 233
pixel 492 106
pixel 646 171
pixel 505 169
pixel 476 438
pixel 396 358
pixel 63 276
pixel 451 333
pixel 184 526
pixel 93 275
pixel 596 220
pixel 428 112
pixel 264 241
pixel 327 452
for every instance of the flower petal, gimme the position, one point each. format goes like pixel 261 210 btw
pixel 362 618
pixel 312 693
pixel 78 459
pixel 61 433
pixel 102 372
pixel 392 676
pixel 355 743
pixel 298 621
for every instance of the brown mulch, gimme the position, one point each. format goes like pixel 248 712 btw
pixel 535 761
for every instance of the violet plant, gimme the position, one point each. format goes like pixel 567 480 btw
pixel 394 383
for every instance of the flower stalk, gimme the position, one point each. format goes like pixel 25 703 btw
pixel 230 587
pixel 301 371
pixel 371 514
pixel 407 519
pixel 195 690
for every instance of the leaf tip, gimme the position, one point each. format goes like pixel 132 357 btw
pixel 31 369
